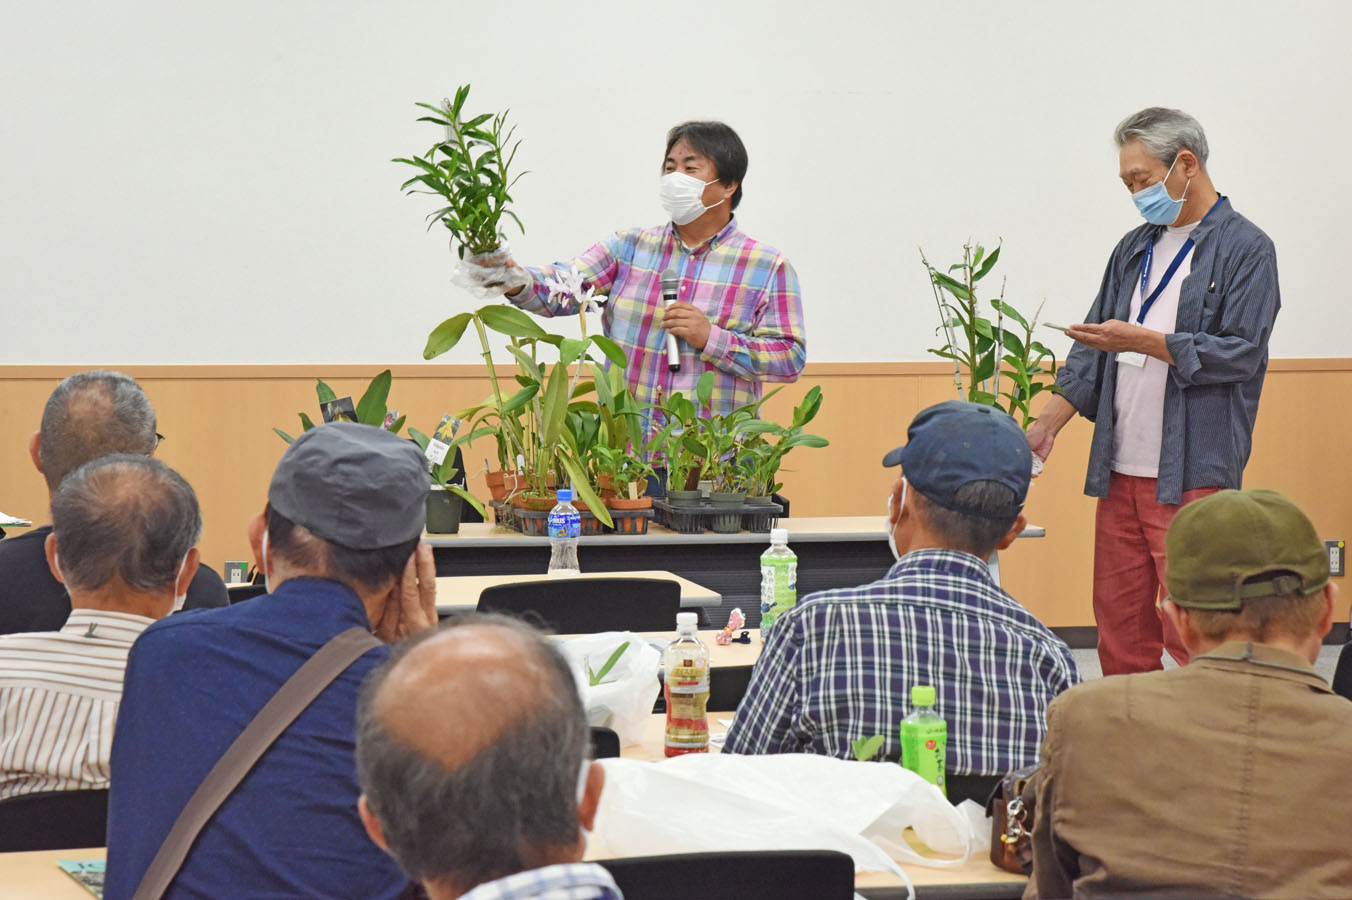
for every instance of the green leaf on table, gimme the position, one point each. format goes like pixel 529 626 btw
pixel 306 423
pixel 594 678
pixel 953 286
pixel 324 392
pixel 867 748
pixel 283 435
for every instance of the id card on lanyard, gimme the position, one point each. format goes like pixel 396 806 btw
pixel 1138 359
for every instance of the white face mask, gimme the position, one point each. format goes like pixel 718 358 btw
pixel 892 526
pixel 683 197
pixel 263 563
pixel 180 599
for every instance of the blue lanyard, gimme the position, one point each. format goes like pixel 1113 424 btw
pixel 1169 272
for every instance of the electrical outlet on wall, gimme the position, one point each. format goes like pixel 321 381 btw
pixel 1337 557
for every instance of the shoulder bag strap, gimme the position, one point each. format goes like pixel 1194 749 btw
pixel 308 682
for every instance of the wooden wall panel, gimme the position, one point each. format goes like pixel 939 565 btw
pixel 217 421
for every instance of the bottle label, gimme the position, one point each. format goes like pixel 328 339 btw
pixel 924 750
pixel 687 695
pixel 565 524
pixel 779 588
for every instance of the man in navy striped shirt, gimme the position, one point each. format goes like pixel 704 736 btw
pixel 840 665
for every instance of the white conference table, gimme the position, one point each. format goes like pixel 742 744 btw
pixel 456 593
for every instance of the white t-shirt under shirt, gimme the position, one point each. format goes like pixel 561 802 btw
pixel 1138 405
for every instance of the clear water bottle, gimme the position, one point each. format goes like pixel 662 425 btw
pixel 924 738
pixel 779 580
pixel 564 527
pixel 687 690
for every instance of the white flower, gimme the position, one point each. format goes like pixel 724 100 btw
pixel 571 284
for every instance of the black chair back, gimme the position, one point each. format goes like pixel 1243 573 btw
pixel 589 605
pixel 605 743
pixel 727 687
pixel 1342 674
pixel 759 875
pixel 54 820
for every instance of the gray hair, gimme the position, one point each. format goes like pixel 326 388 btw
pixel 981 531
pixel 125 515
pixel 92 414
pixel 489 817
pixel 1164 132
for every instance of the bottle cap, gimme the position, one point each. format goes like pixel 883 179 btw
pixel 922 695
pixel 779 535
pixel 687 621
pixel 565 495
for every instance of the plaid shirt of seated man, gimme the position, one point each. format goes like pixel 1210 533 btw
pixel 840 666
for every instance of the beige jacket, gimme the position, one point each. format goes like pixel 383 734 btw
pixel 1228 777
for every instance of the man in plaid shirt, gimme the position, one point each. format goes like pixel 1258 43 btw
pixel 472 752
pixel 738 314
pixel 840 665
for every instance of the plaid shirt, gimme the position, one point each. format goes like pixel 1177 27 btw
pixel 571 881
pixel 748 291
pixel 840 666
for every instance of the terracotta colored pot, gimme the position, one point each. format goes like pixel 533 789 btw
pixel 502 483
pixel 625 503
pixel 606 487
pixel 539 504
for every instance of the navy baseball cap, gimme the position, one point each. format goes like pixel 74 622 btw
pixel 355 485
pixel 952 444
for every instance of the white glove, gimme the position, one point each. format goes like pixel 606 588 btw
pixel 490 274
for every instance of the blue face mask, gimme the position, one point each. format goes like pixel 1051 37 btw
pixel 1155 204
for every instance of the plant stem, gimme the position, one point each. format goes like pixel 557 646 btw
pixel 943 319
pixel 492 372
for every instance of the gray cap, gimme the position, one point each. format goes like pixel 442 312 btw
pixel 355 485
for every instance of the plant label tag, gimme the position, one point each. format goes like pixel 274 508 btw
pixel 1131 359
pixel 339 410
pixel 437 450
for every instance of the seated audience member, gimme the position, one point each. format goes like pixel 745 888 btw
pixel 339 545
pixel 840 666
pixel 472 753
pixel 122 543
pixel 1227 777
pixel 89 415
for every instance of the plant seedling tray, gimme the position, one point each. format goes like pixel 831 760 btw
pixel 630 521
pixel 536 522
pixel 698 519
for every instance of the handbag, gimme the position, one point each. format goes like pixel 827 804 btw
pixel 1011 810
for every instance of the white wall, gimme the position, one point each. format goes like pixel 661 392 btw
pixel 190 182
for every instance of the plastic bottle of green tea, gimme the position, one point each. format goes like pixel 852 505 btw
pixel 924 738
pixel 779 580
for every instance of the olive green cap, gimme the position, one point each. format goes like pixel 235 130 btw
pixel 922 695
pixel 1217 544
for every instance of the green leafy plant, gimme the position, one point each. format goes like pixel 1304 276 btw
pixel 865 749
pixel 442 473
pixel 718 440
pixel 469 169
pixel 984 349
pixel 765 458
pixel 598 677
pixel 371 408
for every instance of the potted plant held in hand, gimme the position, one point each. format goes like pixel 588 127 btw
pixel 469 170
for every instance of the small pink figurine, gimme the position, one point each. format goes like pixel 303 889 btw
pixel 735 620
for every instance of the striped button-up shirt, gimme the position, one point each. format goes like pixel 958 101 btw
pixel 569 881
pixel 748 291
pixel 59 693
pixel 840 666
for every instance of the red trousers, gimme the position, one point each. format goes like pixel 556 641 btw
pixel 1129 529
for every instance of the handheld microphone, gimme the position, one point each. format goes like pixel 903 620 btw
pixel 671 283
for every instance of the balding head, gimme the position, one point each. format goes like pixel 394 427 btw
pixel 93 414
pixel 124 519
pixel 470 745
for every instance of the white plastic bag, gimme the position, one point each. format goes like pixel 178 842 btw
pixel 624 700
pixel 710 802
